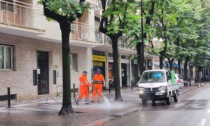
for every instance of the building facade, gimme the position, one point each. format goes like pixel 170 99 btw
pixel 31 56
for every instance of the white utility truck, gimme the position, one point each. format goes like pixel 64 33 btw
pixel 158 85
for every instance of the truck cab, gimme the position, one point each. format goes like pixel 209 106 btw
pixel 158 85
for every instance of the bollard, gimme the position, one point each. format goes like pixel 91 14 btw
pixel 132 82
pixel 131 86
pixel 189 81
pixel 8 97
pixel 109 87
pixel 74 90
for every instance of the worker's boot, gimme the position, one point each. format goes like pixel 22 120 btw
pixel 77 101
pixel 87 101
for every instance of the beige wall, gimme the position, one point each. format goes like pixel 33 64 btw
pixel 25 61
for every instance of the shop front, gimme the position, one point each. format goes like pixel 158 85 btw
pixel 135 71
pixel 124 74
pixel 98 64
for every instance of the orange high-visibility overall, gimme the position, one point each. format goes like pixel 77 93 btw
pixel 98 80
pixel 84 84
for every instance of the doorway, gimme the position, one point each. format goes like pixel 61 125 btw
pixel 43 72
pixel 124 75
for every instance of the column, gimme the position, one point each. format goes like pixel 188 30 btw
pixel 89 65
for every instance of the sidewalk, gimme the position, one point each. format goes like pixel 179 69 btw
pixel 43 112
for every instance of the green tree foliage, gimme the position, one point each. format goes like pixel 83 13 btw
pixel 68 8
pixel 116 18
pixel 182 24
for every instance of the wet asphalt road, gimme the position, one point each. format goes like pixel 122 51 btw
pixel 193 109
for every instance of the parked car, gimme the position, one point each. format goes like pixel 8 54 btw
pixel 205 78
pixel 179 80
pixel 185 82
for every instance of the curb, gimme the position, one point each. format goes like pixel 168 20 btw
pixel 192 89
pixel 188 91
pixel 121 114
pixel 101 122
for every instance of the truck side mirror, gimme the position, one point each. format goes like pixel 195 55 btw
pixel 168 77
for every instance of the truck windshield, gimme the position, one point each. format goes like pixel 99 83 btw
pixel 153 77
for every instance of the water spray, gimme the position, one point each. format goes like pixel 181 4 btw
pixel 106 100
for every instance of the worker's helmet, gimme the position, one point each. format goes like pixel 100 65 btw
pixel 98 71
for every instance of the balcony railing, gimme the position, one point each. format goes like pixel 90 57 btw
pixel 83 32
pixel 122 41
pixel 102 38
pixel 21 14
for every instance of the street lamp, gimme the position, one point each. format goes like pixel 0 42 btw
pixel 142 30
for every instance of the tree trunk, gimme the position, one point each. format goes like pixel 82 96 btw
pixel 179 61
pixel 199 75
pixel 161 61
pixel 116 71
pixel 196 74
pixel 140 45
pixel 140 53
pixel 179 66
pixel 185 69
pixel 171 64
pixel 67 105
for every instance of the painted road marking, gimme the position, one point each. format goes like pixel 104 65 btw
pixel 202 122
pixel 208 111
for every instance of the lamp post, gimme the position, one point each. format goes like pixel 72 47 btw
pixel 140 44
pixel 142 29
pixel 142 36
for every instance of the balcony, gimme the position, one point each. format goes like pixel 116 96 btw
pixel 123 42
pixel 21 15
pixel 102 38
pixel 86 35
pixel 94 2
pixel 82 34
pixel 105 40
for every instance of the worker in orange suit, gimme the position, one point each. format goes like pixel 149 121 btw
pixel 84 88
pixel 98 81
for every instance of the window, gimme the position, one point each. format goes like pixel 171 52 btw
pixel 153 77
pixel 123 57
pixel 100 53
pixel 6 57
pixel 7 5
pixel 73 62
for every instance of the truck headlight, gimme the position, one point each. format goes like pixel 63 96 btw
pixel 141 90
pixel 163 89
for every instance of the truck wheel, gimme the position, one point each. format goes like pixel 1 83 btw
pixel 144 102
pixel 176 97
pixel 168 100
pixel 153 103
